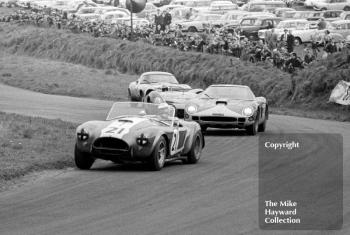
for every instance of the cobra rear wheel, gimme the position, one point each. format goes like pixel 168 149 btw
pixel 159 155
pixel 196 149
pixel 82 160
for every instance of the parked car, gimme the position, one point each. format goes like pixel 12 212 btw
pixel 345 15
pixel 233 17
pixel 199 22
pixel 258 6
pixel 281 11
pixel 110 17
pixel 250 26
pixel 297 15
pixel 221 7
pixel 302 30
pixel 329 15
pixel 341 27
pixel 331 5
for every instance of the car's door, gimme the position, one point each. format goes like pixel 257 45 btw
pixel 178 139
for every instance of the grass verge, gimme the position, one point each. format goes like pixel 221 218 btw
pixel 30 144
pixel 52 77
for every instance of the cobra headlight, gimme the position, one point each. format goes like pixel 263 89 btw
pixel 248 111
pixel 158 100
pixel 83 135
pixel 142 140
pixel 191 109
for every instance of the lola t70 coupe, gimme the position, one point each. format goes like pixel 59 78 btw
pixel 138 132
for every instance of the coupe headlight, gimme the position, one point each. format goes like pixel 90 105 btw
pixel 191 109
pixel 158 100
pixel 248 111
pixel 142 140
pixel 83 135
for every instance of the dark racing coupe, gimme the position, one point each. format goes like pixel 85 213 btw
pixel 138 132
pixel 229 106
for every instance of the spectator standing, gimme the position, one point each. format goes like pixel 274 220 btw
pixel 321 24
pixel 167 18
pixel 189 14
pixel 290 42
pixel 309 57
pixel 158 18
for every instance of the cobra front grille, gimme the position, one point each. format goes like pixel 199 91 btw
pixel 180 113
pixel 109 143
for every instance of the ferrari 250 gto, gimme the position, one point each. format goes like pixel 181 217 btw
pixel 228 106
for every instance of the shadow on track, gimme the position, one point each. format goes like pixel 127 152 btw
pixel 225 132
pixel 129 167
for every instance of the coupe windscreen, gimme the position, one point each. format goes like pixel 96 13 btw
pixel 157 78
pixel 229 92
pixel 162 112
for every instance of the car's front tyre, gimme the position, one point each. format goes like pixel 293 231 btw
pixel 262 126
pixel 253 129
pixel 196 149
pixel 159 154
pixel 82 160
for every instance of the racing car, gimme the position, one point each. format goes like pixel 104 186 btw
pixel 229 106
pixel 153 81
pixel 138 132
pixel 177 98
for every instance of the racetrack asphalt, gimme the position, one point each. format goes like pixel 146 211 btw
pixel 219 195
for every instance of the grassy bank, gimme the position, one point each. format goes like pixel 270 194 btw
pixel 307 90
pixel 52 77
pixel 196 69
pixel 29 144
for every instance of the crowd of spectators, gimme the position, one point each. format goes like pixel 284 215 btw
pixel 277 51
